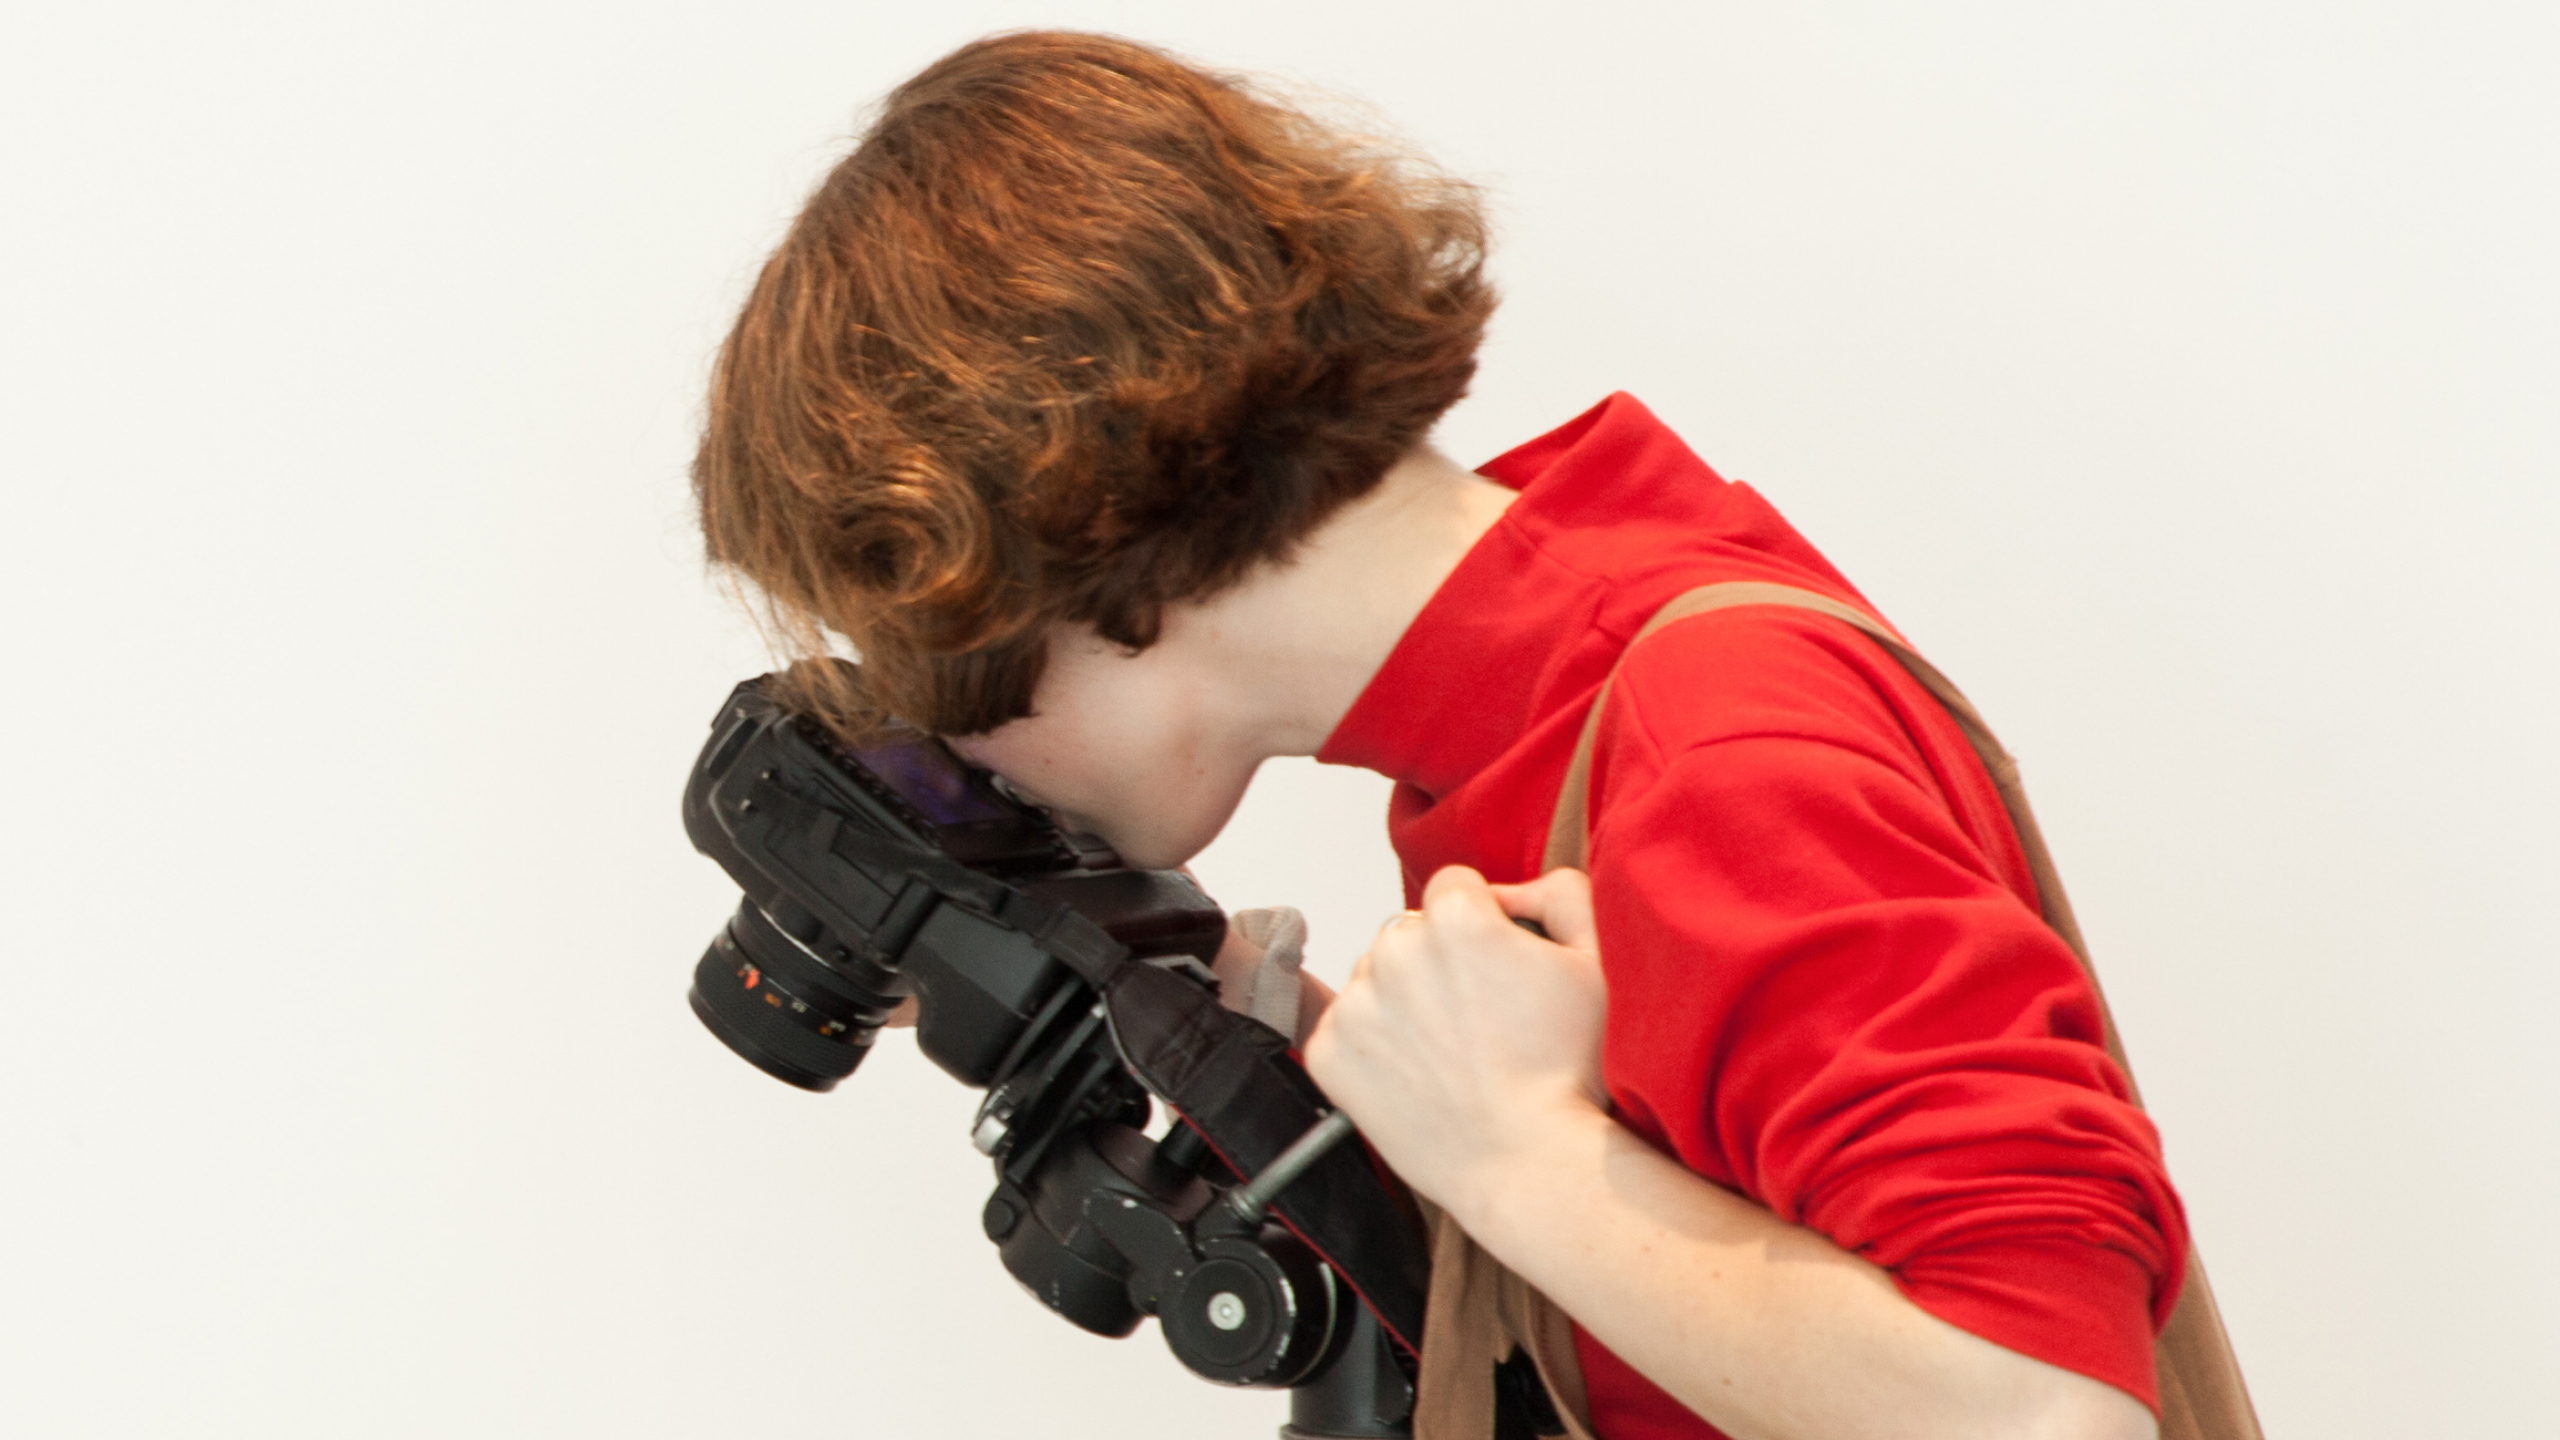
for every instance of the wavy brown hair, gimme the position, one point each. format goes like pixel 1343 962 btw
pixel 1078 331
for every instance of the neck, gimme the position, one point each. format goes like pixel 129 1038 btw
pixel 1295 644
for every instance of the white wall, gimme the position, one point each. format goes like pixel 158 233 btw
pixel 2180 376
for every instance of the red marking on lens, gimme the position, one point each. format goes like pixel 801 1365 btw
pixel 753 975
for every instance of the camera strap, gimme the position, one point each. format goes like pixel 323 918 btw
pixel 1233 1078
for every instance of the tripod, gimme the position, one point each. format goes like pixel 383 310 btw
pixel 1361 1396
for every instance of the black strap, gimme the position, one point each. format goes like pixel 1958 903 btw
pixel 1522 1409
pixel 1230 1075
pixel 1233 1078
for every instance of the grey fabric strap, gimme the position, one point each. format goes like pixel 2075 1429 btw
pixel 1280 933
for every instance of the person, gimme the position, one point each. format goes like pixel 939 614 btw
pixel 1089 400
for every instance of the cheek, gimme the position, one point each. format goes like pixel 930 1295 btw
pixel 1115 745
pixel 1041 769
pixel 1145 790
pixel 1185 821
pixel 1082 770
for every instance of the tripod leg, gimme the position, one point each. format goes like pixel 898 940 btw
pixel 1364 1395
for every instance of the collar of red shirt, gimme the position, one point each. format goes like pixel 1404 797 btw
pixel 1607 501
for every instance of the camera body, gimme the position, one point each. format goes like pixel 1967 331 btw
pixel 1075 991
pixel 874 874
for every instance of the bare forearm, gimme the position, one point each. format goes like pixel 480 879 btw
pixel 1469 1052
pixel 1766 1329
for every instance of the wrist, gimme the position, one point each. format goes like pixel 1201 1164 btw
pixel 1522 1180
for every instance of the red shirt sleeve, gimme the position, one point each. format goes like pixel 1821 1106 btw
pixel 1823 995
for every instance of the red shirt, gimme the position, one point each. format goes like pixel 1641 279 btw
pixel 1829 986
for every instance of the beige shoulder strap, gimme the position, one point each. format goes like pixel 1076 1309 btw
pixel 1479 1310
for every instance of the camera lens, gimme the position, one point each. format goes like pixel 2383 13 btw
pixel 781 1008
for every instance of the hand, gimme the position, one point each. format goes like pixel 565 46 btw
pixel 1462 1041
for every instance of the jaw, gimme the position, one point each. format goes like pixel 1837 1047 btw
pixel 1163 832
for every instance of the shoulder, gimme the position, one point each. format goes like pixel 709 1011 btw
pixel 1802 717
pixel 1762 672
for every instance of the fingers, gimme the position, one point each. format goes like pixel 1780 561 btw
pixel 1456 1022
pixel 1314 998
pixel 1449 883
pixel 1459 902
pixel 1560 901
pixel 1360 968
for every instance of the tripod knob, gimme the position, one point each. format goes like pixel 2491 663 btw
pixel 1254 1312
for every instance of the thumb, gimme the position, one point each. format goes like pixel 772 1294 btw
pixel 1560 901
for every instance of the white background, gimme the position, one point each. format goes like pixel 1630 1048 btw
pixel 2181 376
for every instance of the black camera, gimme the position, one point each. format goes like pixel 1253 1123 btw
pixel 1076 992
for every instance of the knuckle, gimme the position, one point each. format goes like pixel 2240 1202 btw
pixel 1451 906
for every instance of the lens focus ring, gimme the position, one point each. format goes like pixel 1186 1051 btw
pixel 780 1008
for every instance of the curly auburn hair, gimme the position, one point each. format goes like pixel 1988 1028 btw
pixel 1077 331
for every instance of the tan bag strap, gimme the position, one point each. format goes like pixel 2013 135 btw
pixel 1477 1313
pixel 1478 1309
